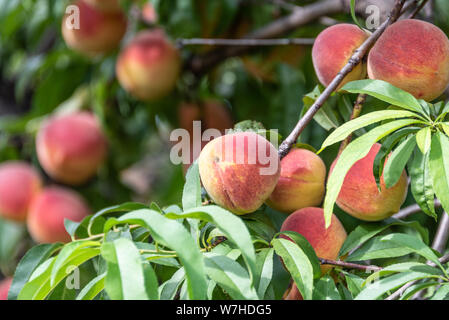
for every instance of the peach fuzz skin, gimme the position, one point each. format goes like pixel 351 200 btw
pixel 212 114
pixel 19 184
pixel 149 66
pixel 49 209
pixel 98 32
pixel 71 147
pixel 105 5
pixel 332 50
pixel 360 197
pixel 5 284
pixel 412 55
pixel 301 183
pixel 233 174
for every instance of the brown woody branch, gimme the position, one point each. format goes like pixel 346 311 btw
pixel 407 211
pixel 349 265
pixel 353 61
pixel 245 42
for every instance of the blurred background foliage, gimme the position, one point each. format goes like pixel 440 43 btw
pixel 39 75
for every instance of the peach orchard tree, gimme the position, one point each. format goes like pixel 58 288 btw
pixel 182 244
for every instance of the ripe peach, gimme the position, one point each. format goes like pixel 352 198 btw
pixel 49 209
pixel 212 114
pixel 239 171
pixel 309 222
pixel 332 50
pixel 97 33
pixel 149 14
pixel 71 148
pixel 360 197
pixel 149 66
pixel 19 184
pixel 293 293
pixel 301 183
pixel 412 55
pixel 5 284
pixel 105 5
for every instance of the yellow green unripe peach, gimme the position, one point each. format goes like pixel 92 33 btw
pixel 149 66
pixel 332 50
pixel 71 147
pixel 239 171
pixel 97 33
pixel 301 183
pixel 360 197
pixel 49 210
pixel 19 184
pixel 412 55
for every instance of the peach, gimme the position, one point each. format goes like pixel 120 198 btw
pixel 19 184
pixel 309 222
pixel 149 66
pixel 293 293
pixel 149 14
pixel 211 113
pixel 97 33
pixel 412 55
pixel 239 171
pixel 301 183
pixel 49 210
pixel 105 5
pixel 5 284
pixel 360 197
pixel 332 50
pixel 72 147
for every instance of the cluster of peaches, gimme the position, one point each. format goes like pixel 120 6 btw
pixel 412 55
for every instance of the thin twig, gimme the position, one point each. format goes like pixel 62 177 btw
pixel 407 211
pixel 353 61
pixel 349 265
pixel 417 9
pixel 245 42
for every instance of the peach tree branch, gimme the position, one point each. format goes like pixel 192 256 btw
pixel 352 63
pixel 245 42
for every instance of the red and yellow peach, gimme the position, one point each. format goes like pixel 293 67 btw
pixel 49 210
pixel 71 147
pixel 19 184
pixel 412 55
pixel 301 183
pixel 239 171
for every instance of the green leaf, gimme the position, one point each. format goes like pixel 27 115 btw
pixel 421 183
pixel 38 286
pixel 191 195
pixel 387 145
pixel 325 289
pixel 125 278
pixel 410 292
pixel 173 235
pixel 170 287
pixel 379 288
pixel 414 244
pixel 396 162
pixel 373 117
pixel 307 248
pixel 231 276
pixel 32 259
pixel 264 261
pixel 424 139
pixel 92 289
pixel 297 264
pixel 364 232
pixel 376 248
pixel 326 116
pixel 355 151
pixel 442 293
pixel 439 167
pixel 73 254
pixel 384 91
pixel 125 207
pixel 232 227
